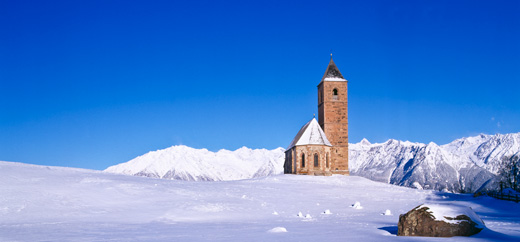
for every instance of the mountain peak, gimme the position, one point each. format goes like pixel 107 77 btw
pixel 364 141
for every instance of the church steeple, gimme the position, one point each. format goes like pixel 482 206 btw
pixel 321 147
pixel 332 71
pixel 333 115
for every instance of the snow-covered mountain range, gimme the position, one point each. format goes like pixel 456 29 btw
pixel 460 166
pixel 185 163
pixel 463 165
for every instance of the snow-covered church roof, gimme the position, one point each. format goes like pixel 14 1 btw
pixel 310 134
pixel 332 73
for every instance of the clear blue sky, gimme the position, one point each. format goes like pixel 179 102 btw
pixel 95 83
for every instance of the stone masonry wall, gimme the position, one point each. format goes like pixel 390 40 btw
pixel 296 165
pixel 333 119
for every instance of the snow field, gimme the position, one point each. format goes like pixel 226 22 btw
pixel 63 204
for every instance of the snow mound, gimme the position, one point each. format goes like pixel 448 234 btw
pixel 510 192
pixel 356 205
pixel 387 212
pixel 278 230
pixel 417 185
pixel 327 212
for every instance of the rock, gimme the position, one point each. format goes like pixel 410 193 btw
pixel 436 220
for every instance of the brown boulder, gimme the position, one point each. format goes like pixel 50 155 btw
pixel 435 220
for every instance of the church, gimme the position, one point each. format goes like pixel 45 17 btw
pixel 321 146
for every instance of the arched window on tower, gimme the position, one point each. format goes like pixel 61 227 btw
pixel 335 94
pixel 316 160
pixel 303 160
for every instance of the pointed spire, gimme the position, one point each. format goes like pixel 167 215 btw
pixel 332 71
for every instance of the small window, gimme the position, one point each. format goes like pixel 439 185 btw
pixel 327 159
pixel 335 94
pixel 303 160
pixel 316 160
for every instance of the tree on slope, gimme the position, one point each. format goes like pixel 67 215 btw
pixel 509 172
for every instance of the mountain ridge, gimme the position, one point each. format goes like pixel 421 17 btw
pixel 462 165
pixel 186 163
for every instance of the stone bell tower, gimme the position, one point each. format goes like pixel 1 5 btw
pixel 333 116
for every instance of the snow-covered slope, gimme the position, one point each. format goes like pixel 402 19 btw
pixel 460 166
pixel 486 150
pixel 39 203
pixel 185 163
